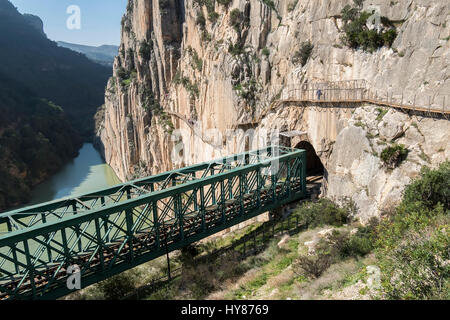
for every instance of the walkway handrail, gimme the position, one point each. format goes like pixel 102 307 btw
pixel 357 91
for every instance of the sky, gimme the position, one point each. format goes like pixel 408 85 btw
pixel 99 20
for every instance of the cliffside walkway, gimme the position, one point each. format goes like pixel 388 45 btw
pixel 106 232
pixel 353 93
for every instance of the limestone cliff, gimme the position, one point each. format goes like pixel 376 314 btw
pixel 194 80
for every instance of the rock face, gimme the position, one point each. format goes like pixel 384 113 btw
pixel 194 80
pixel 356 170
pixel 36 23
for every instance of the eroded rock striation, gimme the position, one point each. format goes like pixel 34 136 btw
pixel 195 80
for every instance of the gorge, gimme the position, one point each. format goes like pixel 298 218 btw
pixel 205 124
pixel 48 97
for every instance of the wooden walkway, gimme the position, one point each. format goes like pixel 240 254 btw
pixel 352 93
pixel 445 113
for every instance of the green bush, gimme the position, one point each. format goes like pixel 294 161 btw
pixel 417 267
pixel 431 188
pixel 323 212
pixel 389 37
pixel 235 49
pixel 196 60
pixel 119 286
pixel 225 3
pixel 146 50
pixel 122 74
pixel 201 21
pixel 358 35
pixel 236 19
pixel 343 244
pixel 304 53
pixel 412 243
pixel 213 16
pixel 393 155
pixel 313 265
pixel 359 244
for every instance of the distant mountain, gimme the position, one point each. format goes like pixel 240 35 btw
pixel 63 76
pixel 35 22
pixel 48 98
pixel 103 54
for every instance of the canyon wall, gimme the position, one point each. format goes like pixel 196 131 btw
pixel 194 80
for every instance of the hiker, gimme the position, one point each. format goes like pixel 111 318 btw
pixel 319 93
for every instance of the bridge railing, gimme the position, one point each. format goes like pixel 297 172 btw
pixel 359 91
pixel 104 240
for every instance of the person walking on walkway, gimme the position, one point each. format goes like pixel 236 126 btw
pixel 319 93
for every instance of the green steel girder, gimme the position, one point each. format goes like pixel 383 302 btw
pixel 171 209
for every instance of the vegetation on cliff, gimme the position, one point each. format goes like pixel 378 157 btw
pixel 393 155
pixel 36 139
pixel 359 35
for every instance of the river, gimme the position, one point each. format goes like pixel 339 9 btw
pixel 86 173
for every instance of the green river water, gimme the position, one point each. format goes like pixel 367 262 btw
pixel 86 173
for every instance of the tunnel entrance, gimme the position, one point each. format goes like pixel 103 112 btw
pixel 314 166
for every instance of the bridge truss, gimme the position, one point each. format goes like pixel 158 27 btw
pixel 115 229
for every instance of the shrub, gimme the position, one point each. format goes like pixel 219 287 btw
pixel 389 37
pixel 359 244
pixel 304 53
pixel 196 60
pixel 393 155
pixel 358 35
pixel 145 50
pixel 349 13
pixel 343 244
pixel 201 21
pixel 313 265
pixel 358 3
pixel 431 188
pixel 236 49
pixel 122 73
pixel 225 3
pixel 417 267
pixel 236 19
pixel 265 52
pixel 322 212
pixel 412 244
pixel 213 16
pixel 120 285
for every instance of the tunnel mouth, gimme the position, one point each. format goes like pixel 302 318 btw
pixel 314 166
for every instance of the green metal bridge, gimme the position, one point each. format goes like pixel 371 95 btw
pixel 115 229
